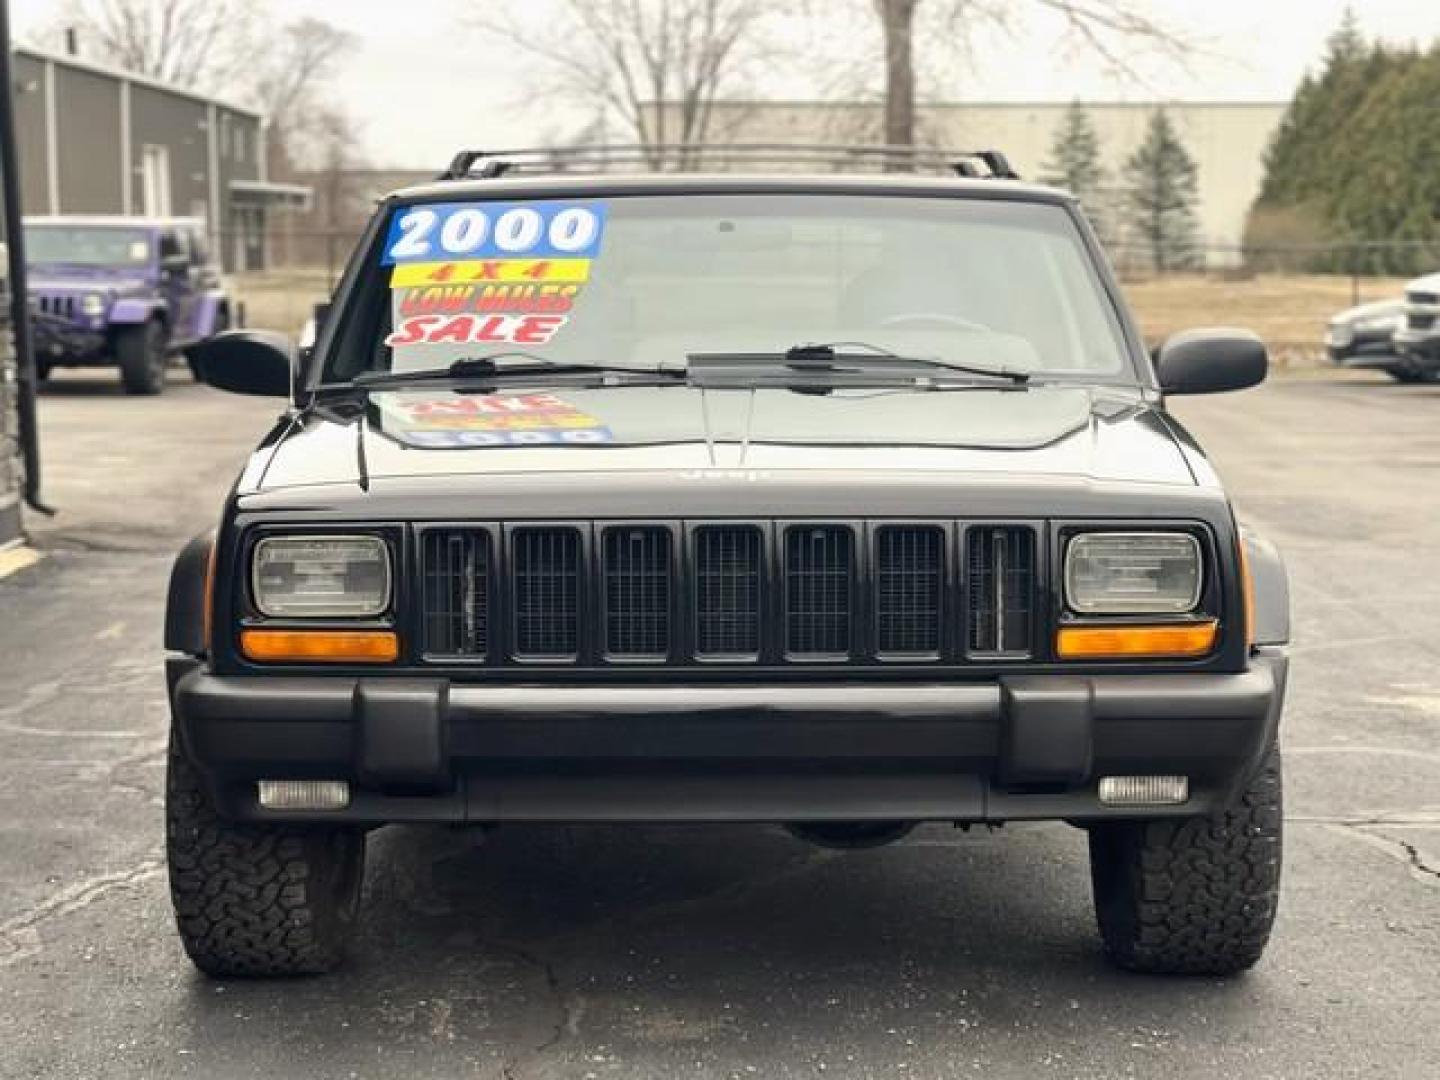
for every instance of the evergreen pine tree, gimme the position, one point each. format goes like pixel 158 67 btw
pixel 1074 163
pixel 1160 186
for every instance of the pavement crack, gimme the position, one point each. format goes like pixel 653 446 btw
pixel 19 935
pixel 565 1019
pixel 1401 850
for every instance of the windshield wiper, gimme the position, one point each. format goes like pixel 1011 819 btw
pixel 830 360
pixel 489 367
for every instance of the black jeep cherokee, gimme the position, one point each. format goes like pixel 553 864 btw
pixel 838 501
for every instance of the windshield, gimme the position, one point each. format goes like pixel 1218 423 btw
pixel 645 281
pixel 86 246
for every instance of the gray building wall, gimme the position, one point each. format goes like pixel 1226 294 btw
pixel 102 122
pixel 178 124
pixel 30 108
pixel 88 109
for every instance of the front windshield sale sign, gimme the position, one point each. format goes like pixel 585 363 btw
pixel 501 261
pixel 545 230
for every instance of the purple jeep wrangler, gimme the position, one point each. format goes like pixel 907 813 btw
pixel 129 291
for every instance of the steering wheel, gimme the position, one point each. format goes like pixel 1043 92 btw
pixel 933 318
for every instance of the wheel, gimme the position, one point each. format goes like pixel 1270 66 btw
pixel 140 351
pixel 1192 896
pixel 257 899
pixel 1410 375
pixel 221 324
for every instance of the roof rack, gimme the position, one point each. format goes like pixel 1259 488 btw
pixel 691 157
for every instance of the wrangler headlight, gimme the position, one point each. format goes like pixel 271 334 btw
pixel 92 304
pixel 1126 573
pixel 321 576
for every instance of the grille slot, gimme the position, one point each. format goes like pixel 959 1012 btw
pixel 545 571
pixel 1000 561
pixel 818 592
pixel 456 565
pixel 909 585
pixel 637 591
pixel 728 566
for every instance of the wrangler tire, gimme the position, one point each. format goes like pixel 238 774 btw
pixel 257 900
pixel 1192 896
pixel 140 352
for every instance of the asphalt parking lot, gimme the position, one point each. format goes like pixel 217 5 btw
pixel 726 952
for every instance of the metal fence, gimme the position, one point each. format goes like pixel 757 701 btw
pixel 1286 292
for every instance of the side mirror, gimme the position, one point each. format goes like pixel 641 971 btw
pixel 1210 361
pixel 260 362
pixel 174 264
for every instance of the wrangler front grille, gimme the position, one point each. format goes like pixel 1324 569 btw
pixel 718 593
pixel 61 307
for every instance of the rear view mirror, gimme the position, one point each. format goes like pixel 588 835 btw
pixel 260 362
pixel 1210 361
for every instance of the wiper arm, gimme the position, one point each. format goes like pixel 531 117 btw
pixel 486 367
pixel 829 358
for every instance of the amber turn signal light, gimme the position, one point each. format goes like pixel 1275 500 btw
pixel 1103 642
pixel 320 646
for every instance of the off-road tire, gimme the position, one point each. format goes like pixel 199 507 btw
pixel 256 900
pixel 1412 377
pixel 1192 896
pixel 140 352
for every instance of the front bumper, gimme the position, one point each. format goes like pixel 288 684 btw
pixel 418 749
pixel 1423 346
pixel 57 340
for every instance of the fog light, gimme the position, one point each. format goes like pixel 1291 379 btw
pixel 304 794
pixel 1144 790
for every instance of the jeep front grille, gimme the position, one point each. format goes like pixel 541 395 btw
pixel 456 571
pixel 60 307
pixel 909 589
pixel 1420 320
pixel 728 565
pixel 718 593
pixel 636 569
pixel 819 592
pixel 1000 573
pixel 545 579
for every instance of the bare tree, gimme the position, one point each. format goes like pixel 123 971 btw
pixel 192 43
pixel 302 127
pixel 1105 27
pixel 656 65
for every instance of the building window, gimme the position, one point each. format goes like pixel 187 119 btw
pixel 155 180
pixel 239 142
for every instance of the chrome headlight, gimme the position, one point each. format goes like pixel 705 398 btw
pixel 92 304
pixel 1131 573
pixel 321 576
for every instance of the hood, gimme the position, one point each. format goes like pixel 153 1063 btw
pixel 82 280
pixel 1375 310
pixel 1430 283
pixel 1068 432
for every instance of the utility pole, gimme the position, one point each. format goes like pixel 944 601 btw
pixel 19 293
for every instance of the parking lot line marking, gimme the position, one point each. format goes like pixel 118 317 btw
pixel 15 559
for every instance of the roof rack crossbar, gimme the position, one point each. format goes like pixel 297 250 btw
pixel 488 164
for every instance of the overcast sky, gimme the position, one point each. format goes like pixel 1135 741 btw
pixel 422 84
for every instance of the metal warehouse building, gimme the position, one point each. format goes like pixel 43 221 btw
pixel 98 140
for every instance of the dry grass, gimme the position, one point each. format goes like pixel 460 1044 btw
pixel 281 299
pixel 1289 311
